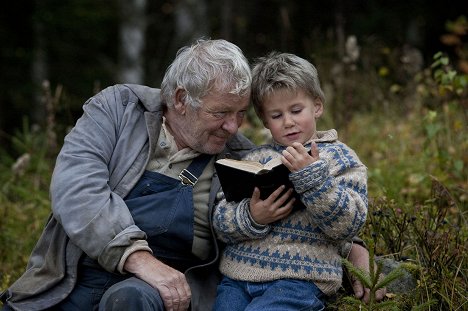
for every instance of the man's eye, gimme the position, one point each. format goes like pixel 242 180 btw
pixel 241 114
pixel 219 115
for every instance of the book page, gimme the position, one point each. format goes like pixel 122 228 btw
pixel 249 166
pixel 272 163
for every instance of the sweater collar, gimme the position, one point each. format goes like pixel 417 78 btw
pixel 322 137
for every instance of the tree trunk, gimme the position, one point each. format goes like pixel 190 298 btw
pixel 340 28
pixel 226 20
pixel 132 41
pixel 286 31
pixel 191 22
pixel 39 69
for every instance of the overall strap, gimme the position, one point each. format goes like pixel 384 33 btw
pixel 189 176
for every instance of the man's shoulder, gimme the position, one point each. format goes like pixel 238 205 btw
pixel 239 145
pixel 132 93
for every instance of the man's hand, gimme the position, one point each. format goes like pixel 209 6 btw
pixel 171 284
pixel 359 257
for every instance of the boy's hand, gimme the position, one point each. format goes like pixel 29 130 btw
pixel 273 208
pixel 296 157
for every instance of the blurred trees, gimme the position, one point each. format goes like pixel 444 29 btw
pixel 85 45
pixel 132 40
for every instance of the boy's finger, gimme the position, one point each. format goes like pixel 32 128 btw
pixel 314 150
pixel 277 192
pixel 284 197
pixel 290 203
pixel 255 195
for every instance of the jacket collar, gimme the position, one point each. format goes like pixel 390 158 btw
pixel 149 97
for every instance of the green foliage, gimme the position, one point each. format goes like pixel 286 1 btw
pixel 418 186
pixel 24 199
pixel 415 147
pixel 411 136
pixel 24 202
pixel 374 282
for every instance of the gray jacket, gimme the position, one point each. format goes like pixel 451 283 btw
pixel 102 158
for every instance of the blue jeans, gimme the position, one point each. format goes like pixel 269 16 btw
pixel 279 295
pixel 97 289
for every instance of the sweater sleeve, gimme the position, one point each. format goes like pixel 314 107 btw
pixel 232 222
pixel 334 190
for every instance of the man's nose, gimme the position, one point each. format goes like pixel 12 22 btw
pixel 231 125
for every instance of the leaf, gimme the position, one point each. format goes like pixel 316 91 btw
pixel 386 305
pixel 390 295
pixel 390 277
pixel 437 55
pixel 424 306
pixel 377 273
pixel 352 300
pixel 444 60
pixel 360 274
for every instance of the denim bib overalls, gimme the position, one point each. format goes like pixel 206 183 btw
pixel 162 207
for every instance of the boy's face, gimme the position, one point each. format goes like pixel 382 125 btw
pixel 291 116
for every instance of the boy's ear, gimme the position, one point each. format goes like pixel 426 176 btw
pixel 265 124
pixel 318 106
pixel 180 100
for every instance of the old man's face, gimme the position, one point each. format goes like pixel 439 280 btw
pixel 208 127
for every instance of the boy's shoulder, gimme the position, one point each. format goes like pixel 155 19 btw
pixel 340 154
pixel 328 136
pixel 263 153
pixel 329 139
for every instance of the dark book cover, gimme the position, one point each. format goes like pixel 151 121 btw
pixel 239 183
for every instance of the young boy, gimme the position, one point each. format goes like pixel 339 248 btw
pixel 276 258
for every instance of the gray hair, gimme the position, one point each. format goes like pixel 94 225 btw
pixel 283 70
pixel 204 66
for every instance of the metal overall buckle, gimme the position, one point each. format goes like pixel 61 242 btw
pixel 187 178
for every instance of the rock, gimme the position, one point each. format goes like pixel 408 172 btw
pixel 403 285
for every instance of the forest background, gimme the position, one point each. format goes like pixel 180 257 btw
pixel 395 76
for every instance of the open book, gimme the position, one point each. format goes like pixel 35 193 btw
pixel 239 177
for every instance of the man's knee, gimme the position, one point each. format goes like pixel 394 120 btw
pixel 6 308
pixel 131 294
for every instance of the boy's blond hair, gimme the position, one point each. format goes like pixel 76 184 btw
pixel 283 71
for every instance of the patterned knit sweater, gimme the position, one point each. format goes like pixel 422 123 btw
pixel 306 244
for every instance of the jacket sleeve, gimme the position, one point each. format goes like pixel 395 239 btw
pixel 96 219
pixel 334 190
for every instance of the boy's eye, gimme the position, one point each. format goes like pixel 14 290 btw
pixel 296 111
pixel 275 116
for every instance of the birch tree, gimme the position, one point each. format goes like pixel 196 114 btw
pixel 132 41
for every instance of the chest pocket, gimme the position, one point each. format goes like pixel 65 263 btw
pixel 156 200
pixel 162 207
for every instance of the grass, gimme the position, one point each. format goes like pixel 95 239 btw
pixel 416 153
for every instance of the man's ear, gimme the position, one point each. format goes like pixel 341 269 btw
pixel 180 100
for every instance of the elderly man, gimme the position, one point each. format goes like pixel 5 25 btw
pixel 133 188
